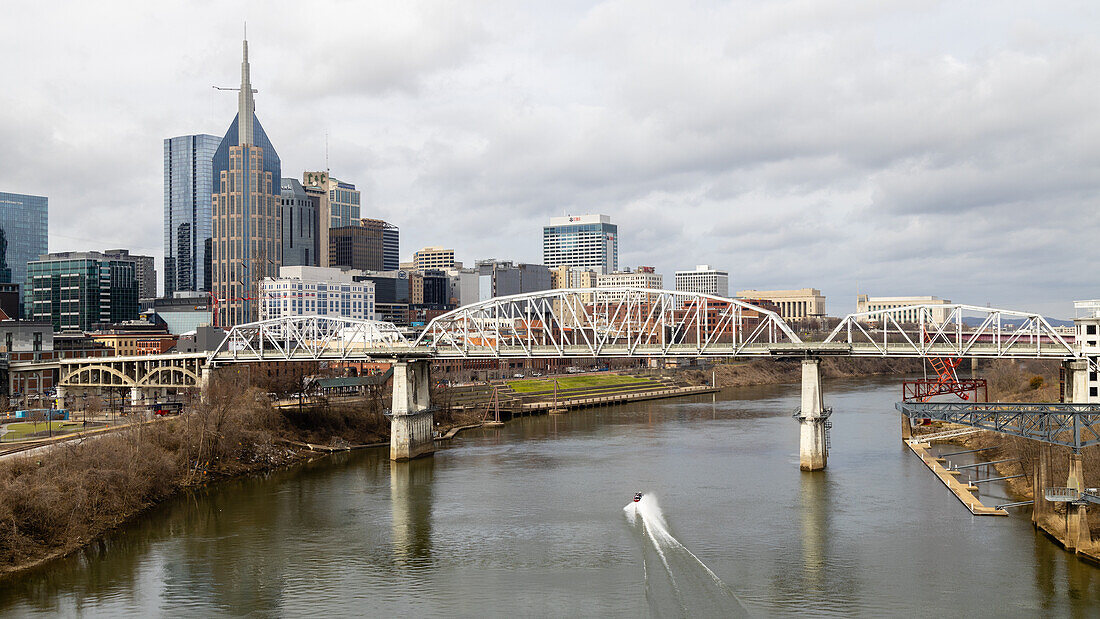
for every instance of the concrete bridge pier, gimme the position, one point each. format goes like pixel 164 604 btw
pixel 136 397
pixel 1077 521
pixel 1076 387
pixel 62 392
pixel 412 423
pixel 1039 505
pixel 813 450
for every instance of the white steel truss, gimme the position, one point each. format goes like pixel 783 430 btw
pixel 306 338
pixel 606 322
pixel 951 331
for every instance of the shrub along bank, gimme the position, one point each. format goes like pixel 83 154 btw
pixel 53 503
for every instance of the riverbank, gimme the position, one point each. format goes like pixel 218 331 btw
pixel 54 503
pixel 779 371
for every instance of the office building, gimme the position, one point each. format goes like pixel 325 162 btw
pixel 642 277
pixel 589 241
pixel 11 301
pixel 866 303
pixel 464 286
pixel 391 242
pixel 372 245
pixel 299 222
pixel 704 280
pixel 392 296
pixel 356 247
pixel 434 258
pixel 246 228
pixel 800 304
pixel 144 270
pixel 317 291
pixel 572 277
pixel 343 198
pixel 80 290
pixel 434 288
pixel 499 278
pixel 188 195
pixel 24 228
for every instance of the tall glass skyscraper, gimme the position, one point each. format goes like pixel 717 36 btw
pixel 188 191
pixel 246 232
pixel 589 241
pixel 24 227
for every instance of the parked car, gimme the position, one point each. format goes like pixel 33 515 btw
pixel 517 375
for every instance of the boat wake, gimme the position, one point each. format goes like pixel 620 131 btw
pixel 676 581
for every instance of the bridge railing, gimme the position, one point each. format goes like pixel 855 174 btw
pixel 604 322
pixel 953 330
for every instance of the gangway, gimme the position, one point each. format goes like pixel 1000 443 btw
pixel 941 436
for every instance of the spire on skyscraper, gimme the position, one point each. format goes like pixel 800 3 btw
pixel 246 105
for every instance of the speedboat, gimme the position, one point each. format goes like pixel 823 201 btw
pixel 637 496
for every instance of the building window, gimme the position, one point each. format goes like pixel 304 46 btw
pixel 7 342
pixel 37 341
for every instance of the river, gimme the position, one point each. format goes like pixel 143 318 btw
pixel 529 519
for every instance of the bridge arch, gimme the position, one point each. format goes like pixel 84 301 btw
pixel 606 322
pixel 145 380
pixel 951 329
pixel 301 338
pixel 67 380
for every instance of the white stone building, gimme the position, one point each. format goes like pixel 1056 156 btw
pixel 316 291
pixel 704 280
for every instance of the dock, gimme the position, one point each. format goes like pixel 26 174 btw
pixel 528 408
pixel 921 445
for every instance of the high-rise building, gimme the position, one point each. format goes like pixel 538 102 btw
pixel 80 290
pixel 144 271
pixel 372 245
pixel 704 280
pixel 499 278
pixel 343 198
pixel 434 258
pixel 590 241
pixel 356 247
pixel 188 195
pixel 24 229
pixel 299 224
pixel 246 232
pixel 391 243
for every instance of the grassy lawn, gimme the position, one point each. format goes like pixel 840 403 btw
pixel 574 382
pixel 24 428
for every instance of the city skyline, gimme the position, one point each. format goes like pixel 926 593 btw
pixel 783 151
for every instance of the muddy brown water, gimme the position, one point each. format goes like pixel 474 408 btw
pixel 528 519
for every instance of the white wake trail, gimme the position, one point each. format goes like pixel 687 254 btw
pixel 696 589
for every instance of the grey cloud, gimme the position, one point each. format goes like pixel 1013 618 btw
pixel 895 147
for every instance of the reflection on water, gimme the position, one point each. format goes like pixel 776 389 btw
pixel 411 508
pixel 527 519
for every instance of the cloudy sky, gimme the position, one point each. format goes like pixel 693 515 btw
pixel 885 147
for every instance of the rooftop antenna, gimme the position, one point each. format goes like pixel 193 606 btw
pixel 327 169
